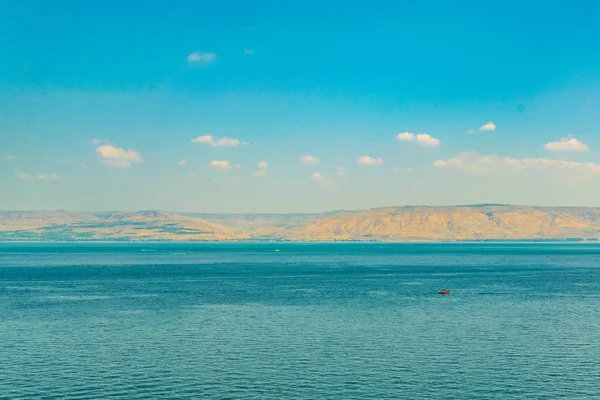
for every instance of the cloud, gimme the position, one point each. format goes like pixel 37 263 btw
pixel 341 171
pixel 427 140
pixel 366 160
pixel 566 144
pixel 490 126
pixel 262 169
pixel 96 142
pixel 221 166
pixel 8 158
pixel 317 177
pixel 223 142
pixel 471 131
pixel 406 136
pixel 41 177
pixel 237 181
pixel 22 175
pixel 201 58
pixel 248 52
pixel 423 139
pixel 206 139
pixel 182 163
pixel 50 177
pixel 227 142
pixel 397 170
pixel 473 162
pixel 309 160
pixel 111 156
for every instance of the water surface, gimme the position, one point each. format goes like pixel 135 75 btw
pixel 299 321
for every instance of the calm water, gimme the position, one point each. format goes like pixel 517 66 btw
pixel 343 321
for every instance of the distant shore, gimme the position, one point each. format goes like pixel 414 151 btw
pixel 409 224
pixel 507 241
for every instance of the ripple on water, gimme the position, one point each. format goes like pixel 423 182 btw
pixel 302 326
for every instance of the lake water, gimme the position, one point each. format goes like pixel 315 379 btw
pixel 299 321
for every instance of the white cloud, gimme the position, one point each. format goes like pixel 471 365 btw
pixel 201 58
pixel 41 177
pixel 96 142
pixel 182 163
pixel 366 160
pixel 473 162
pixel 471 131
pixel 317 177
pixel 8 158
pixel 406 136
pixel 566 144
pixel 309 160
pixel 223 142
pixel 341 171
pixel 227 142
pixel 262 169
pixel 115 157
pixel 45 177
pixel 248 52
pixel 397 170
pixel 427 140
pixel 221 165
pixel 490 126
pixel 237 181
pixel 22 175
pixel 206 139
pixel 422 138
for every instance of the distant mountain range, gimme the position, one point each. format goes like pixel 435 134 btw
pixel 392 224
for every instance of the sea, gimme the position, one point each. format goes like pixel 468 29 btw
pixel 299 321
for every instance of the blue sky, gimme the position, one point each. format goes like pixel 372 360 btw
pixel 99 104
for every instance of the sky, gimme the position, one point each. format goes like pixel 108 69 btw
pixel 297 106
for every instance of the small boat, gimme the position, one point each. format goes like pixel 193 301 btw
pixel 444 291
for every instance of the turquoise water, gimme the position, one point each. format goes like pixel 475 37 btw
pixel 326 321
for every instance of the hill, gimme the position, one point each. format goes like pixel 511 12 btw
pixel 410 223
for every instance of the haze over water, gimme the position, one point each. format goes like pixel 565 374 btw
pixel 301 321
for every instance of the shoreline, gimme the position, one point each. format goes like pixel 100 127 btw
pixel 483 241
